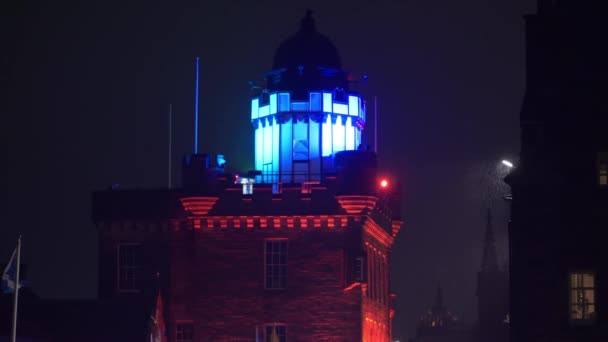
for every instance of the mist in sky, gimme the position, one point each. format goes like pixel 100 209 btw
pixel 90 84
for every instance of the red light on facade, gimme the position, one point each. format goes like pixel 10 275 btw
pixel 384 183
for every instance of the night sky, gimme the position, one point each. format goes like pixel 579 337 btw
pixel 88 87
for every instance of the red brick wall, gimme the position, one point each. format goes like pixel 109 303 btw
pixel 217 281
pixel 377 301
pixel 153 257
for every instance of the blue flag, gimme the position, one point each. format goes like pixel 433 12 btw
pixel 9 276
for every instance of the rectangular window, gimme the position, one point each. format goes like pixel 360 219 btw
pixel 275 264
pixel 359 269
pixel 582 296
pixel 275 332
pixel 602 168
pixel 247 184
pixel 184 332
pixel 300 141
pixel 128 267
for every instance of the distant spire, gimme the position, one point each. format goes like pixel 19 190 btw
pixel 439 297
pixel 489 262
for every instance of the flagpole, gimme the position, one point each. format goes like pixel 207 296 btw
pixel 196 111
pixel 16 295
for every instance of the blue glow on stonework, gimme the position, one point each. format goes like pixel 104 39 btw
pixel 313 139
pixel 314 131
pixel 353 105
pixel 340 108
pixel 327 102
pixel 268 143
pixel 362 112
pixel 299 106
pixel 316 102
pixel 264 111
pixel 273 103
pixel 326 137
pixel 259 146
pixel 300 141
pixel 284 105
pixel 350 134
pixel 286 150
pixel 255 107
pixel 338 135
pixel 275 148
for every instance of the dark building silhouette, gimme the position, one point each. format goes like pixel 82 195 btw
pixel 492 292
pixel 438 324
pixel 298 249
pixel 557 244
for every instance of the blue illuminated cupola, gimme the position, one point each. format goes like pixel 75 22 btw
pixel 305 114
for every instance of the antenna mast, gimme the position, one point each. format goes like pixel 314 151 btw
pixel 376 124
pixel 196 111
pixel 170 147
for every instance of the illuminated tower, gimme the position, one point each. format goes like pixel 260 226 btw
pixel 301 253
pixel 306 113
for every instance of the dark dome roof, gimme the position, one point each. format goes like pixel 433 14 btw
pixel 307 48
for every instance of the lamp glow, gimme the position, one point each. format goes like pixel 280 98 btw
pixel 507 163
pixel 383 183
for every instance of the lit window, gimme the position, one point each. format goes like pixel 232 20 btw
pixel 247 184
pixel 582 296
pixel 184 332
pixel 248 189
pixel 275 263
pixel 300 141
pixel 275 332
pixel 602 168
pixel 300 149
pixel 128 267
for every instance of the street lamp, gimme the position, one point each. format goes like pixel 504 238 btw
pixel 507 163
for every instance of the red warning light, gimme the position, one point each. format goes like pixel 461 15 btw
pixel 383 183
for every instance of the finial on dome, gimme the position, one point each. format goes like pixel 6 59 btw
pixel 308 23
